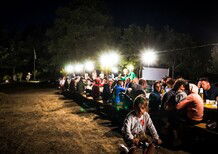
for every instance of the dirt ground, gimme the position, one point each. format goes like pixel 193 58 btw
pixel 43 121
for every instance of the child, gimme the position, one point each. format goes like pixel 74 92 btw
pixel 117 90
pixel 135 125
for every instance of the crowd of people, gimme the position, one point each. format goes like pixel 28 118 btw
pixel 178 98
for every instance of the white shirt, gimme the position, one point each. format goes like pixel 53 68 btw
pixel 134 125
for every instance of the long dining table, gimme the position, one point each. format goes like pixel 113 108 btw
pixel 210 106
pixel 210 111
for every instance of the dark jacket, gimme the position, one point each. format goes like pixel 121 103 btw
pixel 169 101
pixel 154 101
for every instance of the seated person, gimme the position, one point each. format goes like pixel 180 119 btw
pixel 169 102
pixel 169 83
pixel 95 89
pixel 128 83
pixel 137 88
pixel 155 98
pixel 116 91
pixel 106 94
pixel 169 99
pixel 72 86
pixel 210 91
pixel 80 86
pixel 136 124
pixel 194 104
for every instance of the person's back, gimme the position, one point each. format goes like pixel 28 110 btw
pixel 66 85
pixel 80 86
pixel 180 95
pixel 169 99
pixel 154 101
pixel 72 86
pixel 136 90
pixel 106 94
pixel 169 84
pixel 116 91
pixel 95 92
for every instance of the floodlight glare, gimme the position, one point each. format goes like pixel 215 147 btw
pixel 114 69
pixel 114 58
pixel 149 57
pixel 89 66
pixel 78 68
pixel 69 68
pixel 103 61
pixel 108 60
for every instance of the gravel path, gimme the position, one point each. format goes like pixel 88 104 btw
pixel 43 121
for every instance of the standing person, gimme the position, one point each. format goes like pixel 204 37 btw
pixel 19 76
pixel 210 91
pixel 28 77
pixel 155 98
pixel 128 74
pixel 136 124
pixel 14 78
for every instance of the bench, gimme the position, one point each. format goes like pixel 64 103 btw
pixel 203 127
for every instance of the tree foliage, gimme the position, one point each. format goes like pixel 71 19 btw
pixel 81 30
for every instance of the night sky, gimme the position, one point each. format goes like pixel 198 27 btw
pixel 200 19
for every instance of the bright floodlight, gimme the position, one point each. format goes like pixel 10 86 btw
pixel 109 60
pixel 149 57
pixel 114 58
pixel 114 69
pixel 69 68
pixel 78 68
pixel 89 66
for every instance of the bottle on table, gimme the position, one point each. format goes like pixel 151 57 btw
pixel 201 93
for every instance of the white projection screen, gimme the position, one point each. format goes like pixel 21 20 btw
pixel 149 73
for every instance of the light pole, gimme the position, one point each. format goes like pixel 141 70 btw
pixel 34 64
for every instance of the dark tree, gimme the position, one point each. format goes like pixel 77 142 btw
pixel 81 30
